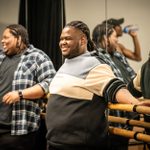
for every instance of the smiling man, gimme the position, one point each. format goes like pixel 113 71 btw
pixel 25 75
pixel 79 94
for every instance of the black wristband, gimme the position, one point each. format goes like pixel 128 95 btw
pixel 20 95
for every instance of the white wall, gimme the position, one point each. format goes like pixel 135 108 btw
pixel 9 11
pixel 8 14
pixel 93 12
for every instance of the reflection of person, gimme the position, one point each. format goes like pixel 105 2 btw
pixel 131 54
pixel 25 75
pixel 140 86
pixel 105 40
pixel 104 36
pixel 79 94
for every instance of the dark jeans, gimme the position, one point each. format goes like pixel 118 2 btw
pixel 102 147
pixel 22 142
pixel 117 142
pixel 77 148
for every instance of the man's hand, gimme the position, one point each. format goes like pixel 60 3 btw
pixel 144 102
pixel 11 97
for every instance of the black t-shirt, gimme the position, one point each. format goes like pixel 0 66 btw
pixel 7 69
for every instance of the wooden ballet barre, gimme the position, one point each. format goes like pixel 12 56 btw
pixel 129 134
pixel 132 122
pixel 130 108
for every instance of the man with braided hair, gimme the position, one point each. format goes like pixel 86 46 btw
pixel 79 94
pixel 25 75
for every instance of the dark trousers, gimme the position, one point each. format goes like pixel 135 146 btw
pixel 117 142
pixel 18 142
pixel 75 147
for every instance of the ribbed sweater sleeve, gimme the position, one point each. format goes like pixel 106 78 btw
pixel 111 89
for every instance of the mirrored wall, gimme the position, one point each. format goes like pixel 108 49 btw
pixel 94 12
pixel 133 11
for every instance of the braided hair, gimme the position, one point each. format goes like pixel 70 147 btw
pixel 99 32
pixel 18 30
pixel 84 28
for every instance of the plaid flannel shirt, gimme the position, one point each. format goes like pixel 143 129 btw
pixel 107 58
pixel 123 59
pixel 35 67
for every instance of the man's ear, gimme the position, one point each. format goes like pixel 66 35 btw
pixel 19 41
pixel 83 40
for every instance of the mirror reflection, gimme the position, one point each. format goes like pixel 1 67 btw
pixel 134 12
